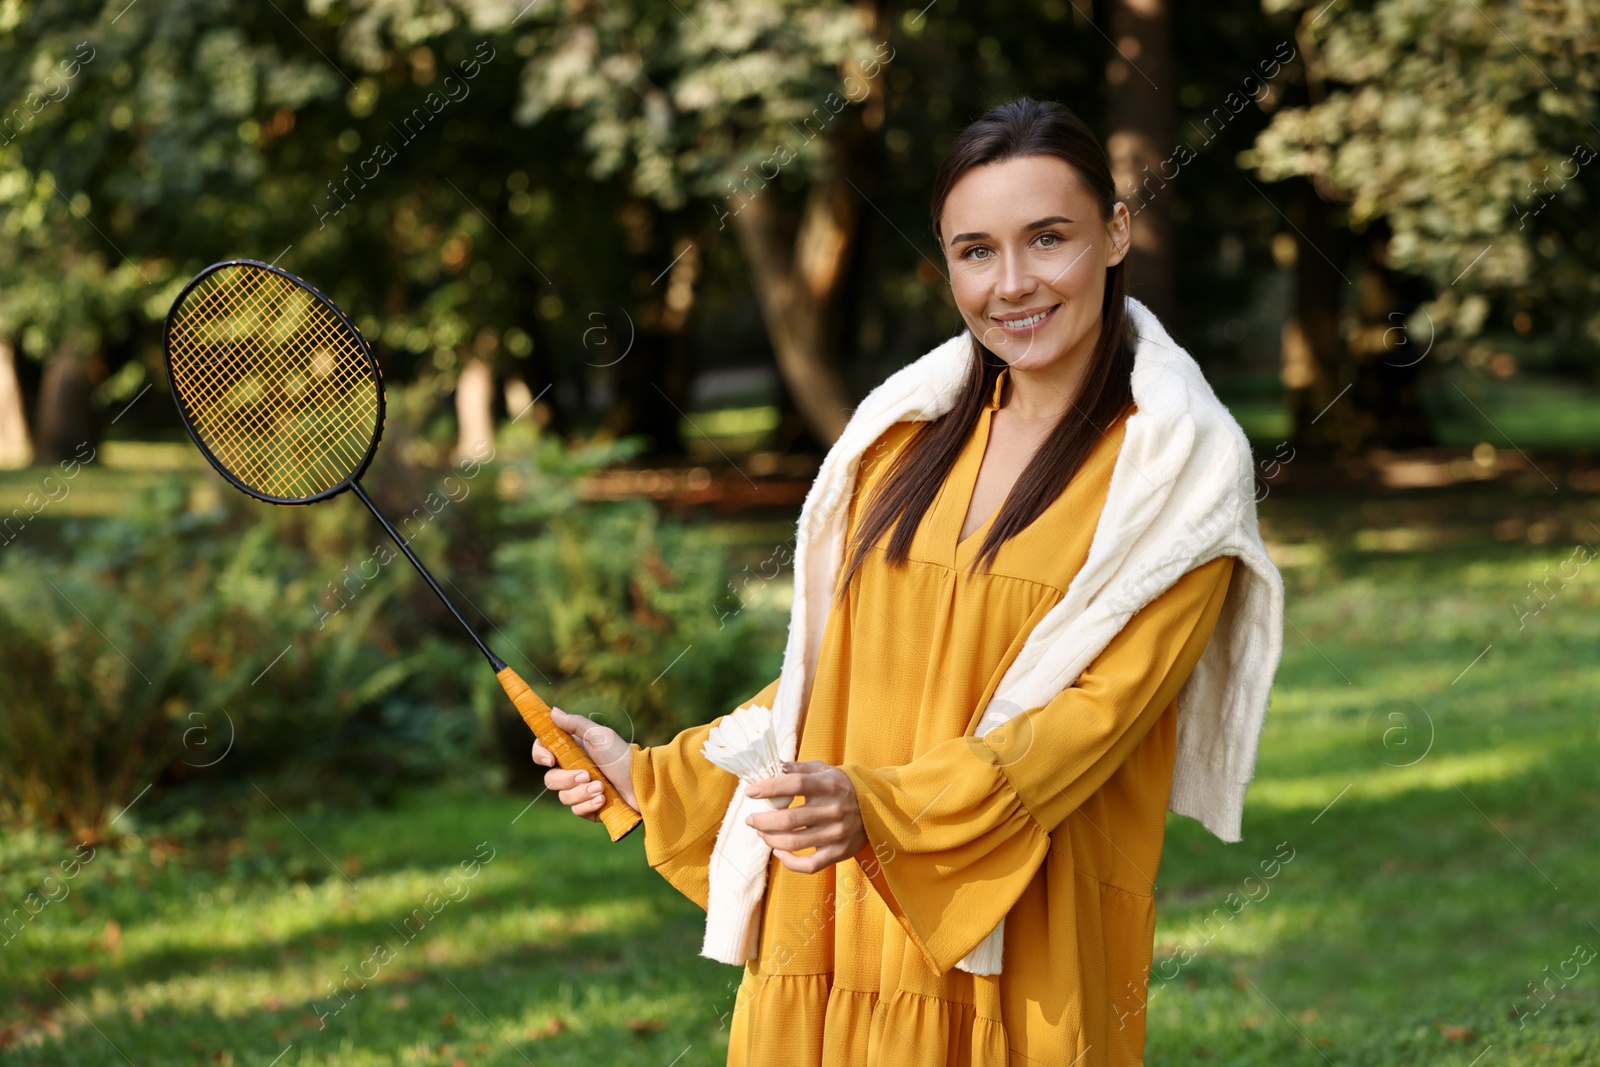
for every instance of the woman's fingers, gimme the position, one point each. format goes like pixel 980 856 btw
pixel 580 792
pixel 574 788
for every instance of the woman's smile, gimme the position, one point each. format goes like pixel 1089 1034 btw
pixel 1023 323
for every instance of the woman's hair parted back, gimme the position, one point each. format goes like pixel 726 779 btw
pixel 1021 127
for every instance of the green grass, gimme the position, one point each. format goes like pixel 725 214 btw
pixel 1531 412
pixel 235 963
pixel 1441 802
pixel 1464 408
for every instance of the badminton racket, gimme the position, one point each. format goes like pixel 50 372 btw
pixel 283 396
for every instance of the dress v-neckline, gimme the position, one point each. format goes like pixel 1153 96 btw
pixel 969 465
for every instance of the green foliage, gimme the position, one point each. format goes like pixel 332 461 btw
pixel 1469 127
pixel 183 645
pixel 230 646
pixel 616 611
pixel 679 99
pixel 95 685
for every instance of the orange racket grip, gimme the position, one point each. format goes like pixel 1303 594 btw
pixel 617 817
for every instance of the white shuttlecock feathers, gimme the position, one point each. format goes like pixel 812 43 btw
pixel 745 743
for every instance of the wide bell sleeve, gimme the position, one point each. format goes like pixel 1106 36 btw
pixel 682 798
pixel 955 836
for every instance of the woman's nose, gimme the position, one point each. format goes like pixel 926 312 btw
pixel 1016 278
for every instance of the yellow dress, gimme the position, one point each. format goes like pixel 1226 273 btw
pixel 1054 821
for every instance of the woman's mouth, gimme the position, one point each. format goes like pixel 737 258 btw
pixel 1027 323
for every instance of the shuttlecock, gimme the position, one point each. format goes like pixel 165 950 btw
pixel 746 744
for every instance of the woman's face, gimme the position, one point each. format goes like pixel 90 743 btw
pixel 1027 254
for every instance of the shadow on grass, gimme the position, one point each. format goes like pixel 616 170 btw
pixel 616 1004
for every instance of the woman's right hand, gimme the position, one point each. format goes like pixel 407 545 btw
pixel 606 750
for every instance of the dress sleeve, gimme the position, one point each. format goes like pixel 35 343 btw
pixel 962 829
pixel 682 798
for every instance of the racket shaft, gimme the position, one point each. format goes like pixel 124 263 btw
pixel 617 817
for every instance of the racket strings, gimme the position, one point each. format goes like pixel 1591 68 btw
pixel 262 422
pixel 283 366
pixel 255 425
pixel 277 386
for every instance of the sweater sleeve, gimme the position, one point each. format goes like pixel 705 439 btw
pixel 682 798
pixel 955 836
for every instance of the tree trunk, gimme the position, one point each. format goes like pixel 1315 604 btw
pixel 1388 359
pixel 64 419
pixel 794 279
pixel 800 272
pixel 1143 114
pixel 474 410
pixel 15 448
pixel 1313 354
pixel 652 378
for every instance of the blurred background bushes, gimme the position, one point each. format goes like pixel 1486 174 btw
pixel 296 650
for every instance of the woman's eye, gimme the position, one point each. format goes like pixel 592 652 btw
pixel 1053 238
pixel 972 253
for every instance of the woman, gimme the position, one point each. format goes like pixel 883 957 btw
pixel 915 833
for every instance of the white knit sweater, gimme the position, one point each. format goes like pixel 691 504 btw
pixel 1182 493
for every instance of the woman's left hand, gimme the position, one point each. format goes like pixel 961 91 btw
pixel 829 820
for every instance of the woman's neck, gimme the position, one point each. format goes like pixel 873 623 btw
pixel 1045 393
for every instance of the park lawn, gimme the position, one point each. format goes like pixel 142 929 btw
pixel 1426 800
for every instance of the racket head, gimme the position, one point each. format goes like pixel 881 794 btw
pixel 274 383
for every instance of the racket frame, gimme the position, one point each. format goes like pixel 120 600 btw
pixel 194 433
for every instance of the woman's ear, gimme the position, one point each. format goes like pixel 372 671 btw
pixel 1120 230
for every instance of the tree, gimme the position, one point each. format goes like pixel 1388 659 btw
pixel 758 110
pixel 1462 132
pixel 1142 116
pixel 362 147
pixel 15 447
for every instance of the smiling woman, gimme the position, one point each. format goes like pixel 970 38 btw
pixel 966 875
pixel 1036 242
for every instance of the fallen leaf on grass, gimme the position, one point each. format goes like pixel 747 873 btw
pixel 644 1026
pixel 552 1026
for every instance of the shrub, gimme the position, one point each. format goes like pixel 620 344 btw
pixel 232 646
pixel 165 638
pixel 612 612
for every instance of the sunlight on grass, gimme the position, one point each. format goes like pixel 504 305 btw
pixel 1420 902
pixel 1433 772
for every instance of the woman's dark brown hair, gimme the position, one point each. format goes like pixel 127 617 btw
pixel 1022 127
